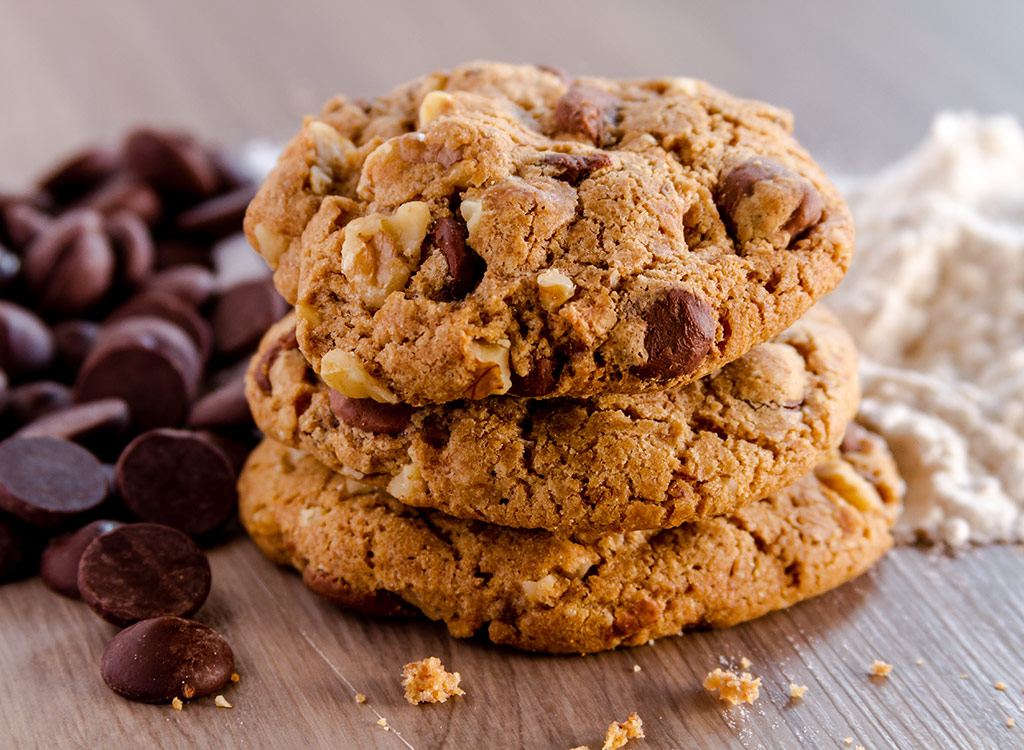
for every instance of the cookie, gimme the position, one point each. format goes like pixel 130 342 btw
pixel 542 592
pixel 609 463
pixel 504 229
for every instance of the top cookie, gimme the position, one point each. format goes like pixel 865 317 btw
pixel 506 229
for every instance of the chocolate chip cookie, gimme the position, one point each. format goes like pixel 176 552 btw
pixel 541 592
pixel 608 463
pixel 506 229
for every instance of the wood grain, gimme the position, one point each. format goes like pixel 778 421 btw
pixel 863 79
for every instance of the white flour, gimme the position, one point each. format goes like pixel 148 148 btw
pixel 935 300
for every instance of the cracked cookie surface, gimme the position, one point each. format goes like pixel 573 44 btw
pixel 609 463
pixel 542 592
pixel 506 229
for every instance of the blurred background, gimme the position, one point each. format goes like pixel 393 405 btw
pixel 863 79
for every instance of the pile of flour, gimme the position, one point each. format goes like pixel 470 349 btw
pixel 935 300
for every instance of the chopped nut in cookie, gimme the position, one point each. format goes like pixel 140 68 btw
pixel 494 375
pixel 344 373
pixel 426 681
pixel 731 687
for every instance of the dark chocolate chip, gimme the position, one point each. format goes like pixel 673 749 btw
pixel 157 660
pixel 58 566
pixel 27 403
pixel 178 478
pixel 217 217
pixel 367 414
pixel 243 313
pixel 133 247
pixel 680 331
pixel 587 111
pixel 171 161
pixel 106 418
pixel 20 545
pixel 172 252
pixel 74 340
pixel 79 173
pixel 173 310
pixel 192 284
pixel 10 268
pixel 23 222
pixel 261 368
pixel 46 481
pixel 124 193
pixel 150 363
pixel 751 217
pixel 70 265
pixel 223 407
pixel 575 168
pixel 464 266
pixel 539 381
pixel 143 570
pixel 26 344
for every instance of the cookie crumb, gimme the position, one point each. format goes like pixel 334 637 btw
pixel 1010 722
pixel 382 722
pixel 176 704
pixel 360 698
pixel 1000 686
pixel 745 663
pixel 731 687
pixel 848 740
pixel 964 677
pixel 188 691
pixel 221 701
pixel 797 691
pixel 650 641
pixel 426 681
pixel 919 662
pixel 636 668
pixel 619 733
pixel 235 677
pixel 880 668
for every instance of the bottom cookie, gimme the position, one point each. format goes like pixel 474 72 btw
pixel 541 592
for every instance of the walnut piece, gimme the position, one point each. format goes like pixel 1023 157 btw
pixel 433 104
pixel 842 478
pixel 344 373
pixel 555 288
pixel 493 374
pixel 270 244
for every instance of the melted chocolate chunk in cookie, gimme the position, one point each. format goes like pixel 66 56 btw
pixel 464 266
pixel 761 198
pixel 370 415
pixel 575 168
pixel 587 111
pixel 680 331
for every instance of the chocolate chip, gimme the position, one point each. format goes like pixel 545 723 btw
pixel 20 545
pixel 172 162
pixel 178 478
pixel 243 313
pixel 124 193
pixel 143 570
pixel 217 217
pixel 45 481
pixel 222 407
pixel 261 369
pixel 30 401
pixel 133 246
pixel 367 414
pixel 23 222
pixel 10 268
pixel 192 284
pixel 540 380
pixel 58 566
pixel 150 363
pixel 74 339
pixel 70 265
pixel 464 266
pixel 163 658
pixel 173 310
pixel 79 173
pixel 587 111
pixel 786 203
pixel 575 168
pixel 680 331
pixel 26 344
pixel 172 252
pixel 83 423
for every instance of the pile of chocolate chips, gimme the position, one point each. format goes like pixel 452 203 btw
pixel 122 412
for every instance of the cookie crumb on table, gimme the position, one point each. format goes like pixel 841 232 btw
pixel 426 681
pixel 176 704
pixel 731 687
pixel 880 668
pixel 619 733
pixel 382 722
pixel 221 701
pixel 1010 722
pixel 797 691
pixel 1000 686
pixel 745 663
pixel 637 668
pixel 360 698
pixel 848 741
pixel 235 677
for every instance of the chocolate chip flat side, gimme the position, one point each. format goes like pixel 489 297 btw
pixel 450 239
pixel 612 463
pixel 544 592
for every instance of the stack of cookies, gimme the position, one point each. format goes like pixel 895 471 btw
pixel 553 371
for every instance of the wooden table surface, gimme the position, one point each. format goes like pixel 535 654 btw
pixel 863 79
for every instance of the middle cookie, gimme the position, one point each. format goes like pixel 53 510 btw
pixel 606 464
